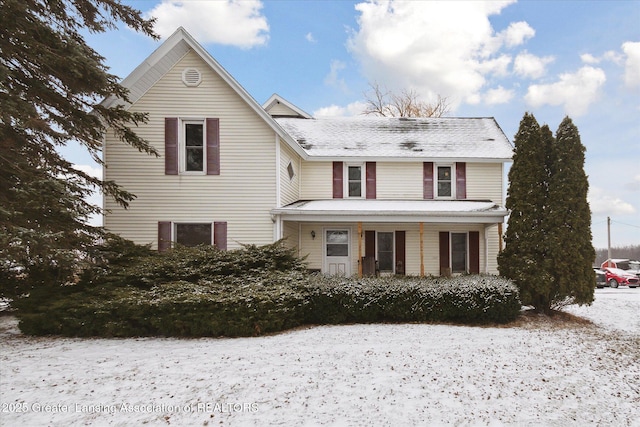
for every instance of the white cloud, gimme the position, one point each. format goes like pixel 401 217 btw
pixel 434 48
pixel 587 58
pixel 576 92
pixel 517 33
pixel 310 38
pixel 231 22
pixel 332 78
pixel 604 203
pixel 613 56
pixel 498 95
pixel 632 64
pixel 609 55
pixel 531 66
pixel 91 170
pixel 353 109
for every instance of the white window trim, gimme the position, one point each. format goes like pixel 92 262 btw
pixel 453 181
pixel 174 229
pixel 363 180
pixel 182 156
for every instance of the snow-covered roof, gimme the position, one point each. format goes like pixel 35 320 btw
pixel 338 210
pixel 445 138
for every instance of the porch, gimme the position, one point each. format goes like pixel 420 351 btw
pixel 370 237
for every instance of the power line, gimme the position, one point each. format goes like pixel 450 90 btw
pixel 628 225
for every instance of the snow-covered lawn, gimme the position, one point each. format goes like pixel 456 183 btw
pixel 538 372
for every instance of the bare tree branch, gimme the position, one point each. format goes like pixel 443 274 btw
pixel 384 103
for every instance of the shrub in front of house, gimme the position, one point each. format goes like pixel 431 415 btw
pixel 251 291
pixel 465 299
pixel 231 306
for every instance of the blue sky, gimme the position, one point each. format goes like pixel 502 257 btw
pixel 499 59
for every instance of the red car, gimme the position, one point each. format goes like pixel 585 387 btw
pixel 616 276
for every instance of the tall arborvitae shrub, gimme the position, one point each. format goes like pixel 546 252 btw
pixel 569 220
pixel 548 251
pixel 523 255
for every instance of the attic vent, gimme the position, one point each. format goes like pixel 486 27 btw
pixel 191 77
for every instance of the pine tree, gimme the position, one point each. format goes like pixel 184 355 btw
pixel 523 259
pixel 51 85
pixel 569 221
pixel 548 250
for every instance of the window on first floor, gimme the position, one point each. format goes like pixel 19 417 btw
pixel 385 251
pixel 193 234
pixel 459 253
pixel 337 242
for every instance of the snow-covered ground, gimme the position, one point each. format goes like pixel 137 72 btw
pixel 538 372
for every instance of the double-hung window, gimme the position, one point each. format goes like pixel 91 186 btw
pixel 193 148
pixel 444 187
pixel 354 182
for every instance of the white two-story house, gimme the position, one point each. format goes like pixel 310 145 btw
pixel 357 195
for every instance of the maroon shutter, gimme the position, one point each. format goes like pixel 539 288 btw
pixel 370 243
pixel 461 180
pixel 220 235
pixel 474 252
pixel 164 236
pixel 213 146
pixel 171 146
pixel 427 180
pixel 337 180
pixel 371 180
pixel 445 270
pixel 400 253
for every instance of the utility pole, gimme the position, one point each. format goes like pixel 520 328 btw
pixel 608 241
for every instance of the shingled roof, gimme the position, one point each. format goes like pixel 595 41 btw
pixel 445 138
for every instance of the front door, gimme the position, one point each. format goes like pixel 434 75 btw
pixel 337 259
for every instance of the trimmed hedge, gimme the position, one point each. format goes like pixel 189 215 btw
pixel 465 299
pixel 202 291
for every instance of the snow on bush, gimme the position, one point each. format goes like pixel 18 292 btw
pixel 256 290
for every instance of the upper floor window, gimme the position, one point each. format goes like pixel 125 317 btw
pixel 444 186
pixel 354 181
pixel 191 146
pixel 194 146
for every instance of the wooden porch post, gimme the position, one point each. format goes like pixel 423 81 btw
pixel 421 249
pixel 360 250
pixel 499 237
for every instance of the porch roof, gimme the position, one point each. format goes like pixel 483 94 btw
pixel 362 210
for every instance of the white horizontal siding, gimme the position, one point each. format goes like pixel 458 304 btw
pixel 317 180
pixel 399 181
pixel 484 181
pixel 289 188
pixel 279 109
pixel 242 195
